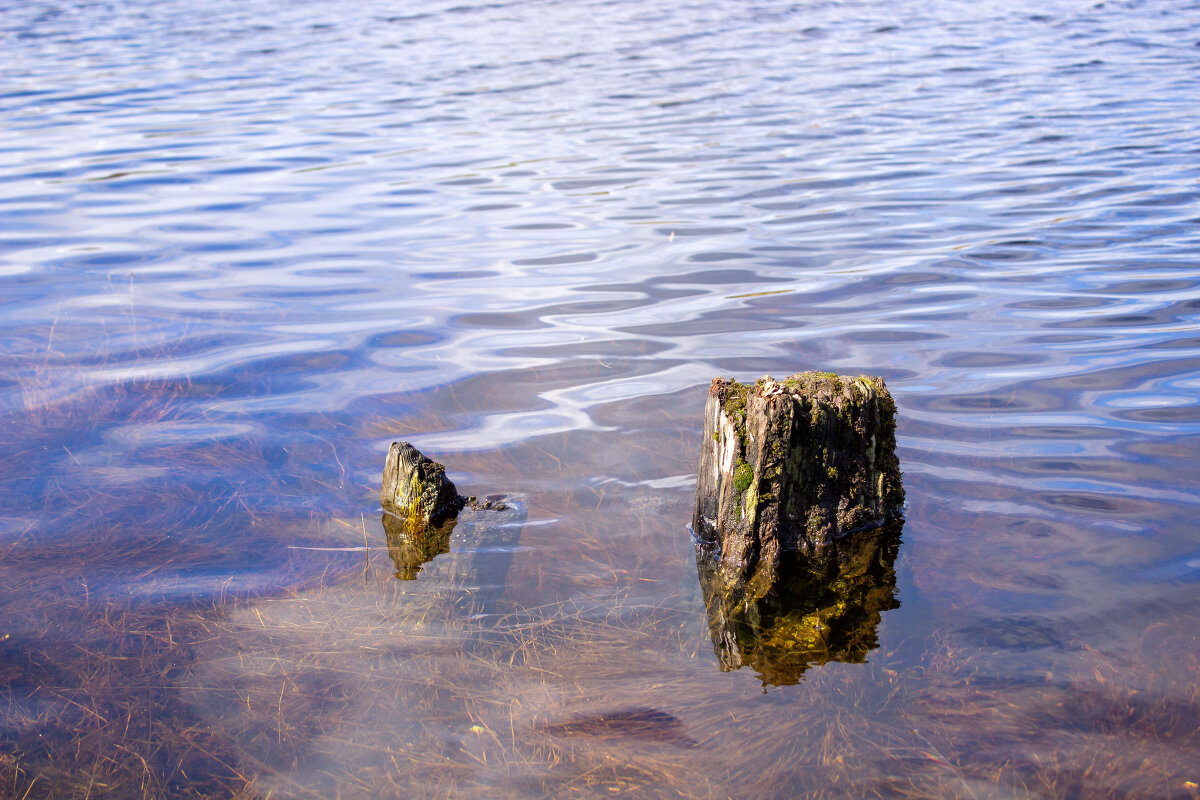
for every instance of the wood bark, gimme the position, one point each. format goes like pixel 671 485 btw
pixel 417 490
pixel 786 468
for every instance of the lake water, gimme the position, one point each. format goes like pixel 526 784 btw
pixel 245 245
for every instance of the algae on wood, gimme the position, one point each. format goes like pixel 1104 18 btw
pixel 787 467
pixel 411 546
pixel 416 489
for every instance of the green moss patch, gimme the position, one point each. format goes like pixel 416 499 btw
pixel 743 476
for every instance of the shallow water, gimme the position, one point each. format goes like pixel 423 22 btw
pixel 244 246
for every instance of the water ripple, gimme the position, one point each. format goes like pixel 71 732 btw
pixel 242 248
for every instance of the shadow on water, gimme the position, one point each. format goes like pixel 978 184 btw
pixel 646 724
pixel 828 611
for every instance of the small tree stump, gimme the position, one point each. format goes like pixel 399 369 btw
pixel 464 561
pixel 786 467
pixel 417 490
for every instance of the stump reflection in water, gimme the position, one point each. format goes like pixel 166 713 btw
pixel 475 550
pixel 827 610
pixel 411 549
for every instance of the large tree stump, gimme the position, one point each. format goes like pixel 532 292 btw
pixel 787 467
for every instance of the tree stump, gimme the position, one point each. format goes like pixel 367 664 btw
pixel 786 468
pixel 464 562
pixel 417 490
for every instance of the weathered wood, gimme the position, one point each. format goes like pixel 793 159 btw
pixel 787 467
pixel 417 490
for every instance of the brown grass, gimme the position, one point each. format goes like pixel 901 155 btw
pixel 596 678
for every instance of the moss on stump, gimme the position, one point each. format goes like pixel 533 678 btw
pixel 788 467
pixel 417 490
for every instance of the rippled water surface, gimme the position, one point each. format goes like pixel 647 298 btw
pixel 244 246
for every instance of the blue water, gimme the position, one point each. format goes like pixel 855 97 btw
pixel 244 246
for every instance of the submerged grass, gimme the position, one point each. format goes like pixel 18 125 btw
pixel 345 690
pixel 595 677
pixel 352 688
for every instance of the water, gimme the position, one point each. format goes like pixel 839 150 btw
pixel 244 246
